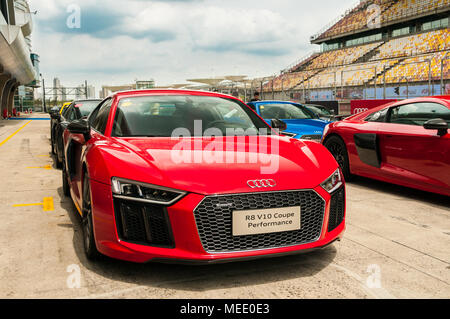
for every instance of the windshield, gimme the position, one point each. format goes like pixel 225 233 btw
pixel 159 116
pixel 86 107
pixel 319 110
pixel 285 112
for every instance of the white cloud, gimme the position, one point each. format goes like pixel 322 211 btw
pixel 175 40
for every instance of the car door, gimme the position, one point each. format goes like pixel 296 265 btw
pixel 66 117
pixel 362 144
pixel 78 146
pixel 410 152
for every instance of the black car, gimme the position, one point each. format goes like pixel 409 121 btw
pixel 76 110
pixel 325 114
pixel 53 121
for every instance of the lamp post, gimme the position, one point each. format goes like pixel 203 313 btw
pixel 43 94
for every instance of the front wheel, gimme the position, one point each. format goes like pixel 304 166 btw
pixel 337 147
pixel 90 247
pixel 65 182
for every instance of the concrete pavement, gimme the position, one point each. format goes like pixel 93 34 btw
pixel 396 245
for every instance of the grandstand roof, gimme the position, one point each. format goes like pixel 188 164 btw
pixel 208 81
pixel 355 19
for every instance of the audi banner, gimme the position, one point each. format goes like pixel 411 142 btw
pixel 358 106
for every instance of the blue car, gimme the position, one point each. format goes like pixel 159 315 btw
pixel 301 122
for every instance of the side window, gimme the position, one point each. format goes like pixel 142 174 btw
pixel 100 120
pixel 418 113
pixel 66 110
pixel 379 116
pixel 94 113
pixel 71 115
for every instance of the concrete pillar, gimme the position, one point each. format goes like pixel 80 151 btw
pixel 3 80
pixel 5 94
pixel 10 101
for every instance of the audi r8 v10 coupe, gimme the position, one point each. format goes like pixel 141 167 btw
pixel 197 177
pixel 74 111
pixel 405 143
pixel 301 122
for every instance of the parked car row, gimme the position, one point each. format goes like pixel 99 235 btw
pixel 60 118
pixel 155 175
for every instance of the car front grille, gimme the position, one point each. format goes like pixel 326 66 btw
pixel 214 220
pixel 143 223
pixel 337 209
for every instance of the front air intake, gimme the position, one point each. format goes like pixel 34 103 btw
pixel 143 223
pixel 337 209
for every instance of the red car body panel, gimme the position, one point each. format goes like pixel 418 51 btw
pixel 303 165
pixel 410 155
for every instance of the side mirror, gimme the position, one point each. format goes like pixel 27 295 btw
pixel 437 124
pixel 54 112
pixel 279 125
pixel 53 109
pixel 55 115
pixel 80 127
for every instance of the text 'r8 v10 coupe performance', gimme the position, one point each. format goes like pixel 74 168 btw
pixel 197 177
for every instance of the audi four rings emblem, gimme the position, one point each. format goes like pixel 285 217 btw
pixel 261 183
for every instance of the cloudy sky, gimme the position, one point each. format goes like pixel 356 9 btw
pixel 118 41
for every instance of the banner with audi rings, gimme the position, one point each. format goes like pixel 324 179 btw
pixel 359 106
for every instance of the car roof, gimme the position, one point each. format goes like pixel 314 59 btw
pixel 147 92
pixel 445 99
pixel 274 102
pixel 87 100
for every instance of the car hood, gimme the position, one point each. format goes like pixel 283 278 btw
pixel 294 164
pixel 306 127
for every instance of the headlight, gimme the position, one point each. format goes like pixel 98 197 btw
pixel 141 192
pixel 333 182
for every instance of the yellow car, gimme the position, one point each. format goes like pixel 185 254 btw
pixel 64 106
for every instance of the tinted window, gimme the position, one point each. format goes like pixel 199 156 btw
pixel 101 117
pixel 161 115
pixel 84 108
pixel 70 114
pixel 319 110
pixel 418 113
pixel 66 110
pixel 285 112
pixel 379 116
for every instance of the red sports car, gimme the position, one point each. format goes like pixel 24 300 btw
pixel 405 143
pixel 197 177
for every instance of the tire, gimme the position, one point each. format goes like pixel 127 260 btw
pixel 53 148
pixel 90 248
pixel 65 183
pixel 337 147
pixel 58 162
pixel 52 142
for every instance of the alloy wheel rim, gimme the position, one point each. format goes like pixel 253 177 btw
pixel 337 152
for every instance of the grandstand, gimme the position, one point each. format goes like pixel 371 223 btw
pixel 406 46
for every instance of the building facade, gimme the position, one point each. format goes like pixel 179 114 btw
pixel 16 65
